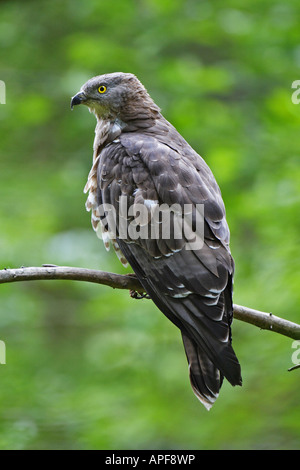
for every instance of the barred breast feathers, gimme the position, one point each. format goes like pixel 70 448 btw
pixel 105 130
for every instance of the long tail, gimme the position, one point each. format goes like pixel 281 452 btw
pixel 206 379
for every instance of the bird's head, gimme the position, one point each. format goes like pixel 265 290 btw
pixel 116 95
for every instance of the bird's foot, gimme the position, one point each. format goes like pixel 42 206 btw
pixel 138 295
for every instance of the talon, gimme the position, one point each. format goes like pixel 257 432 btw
pixel 133 294
pixel 137 295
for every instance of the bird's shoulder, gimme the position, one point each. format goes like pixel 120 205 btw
pixel 159 164
pixel 165 154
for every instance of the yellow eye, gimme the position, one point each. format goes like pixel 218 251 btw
pixel 102 89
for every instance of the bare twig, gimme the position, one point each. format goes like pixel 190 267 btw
pixel 266 321
pixel 46 272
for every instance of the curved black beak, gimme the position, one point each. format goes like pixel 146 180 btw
pixel 78 99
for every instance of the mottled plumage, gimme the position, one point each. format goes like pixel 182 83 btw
pixel 140 155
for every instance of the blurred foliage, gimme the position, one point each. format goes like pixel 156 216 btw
pixel 87 367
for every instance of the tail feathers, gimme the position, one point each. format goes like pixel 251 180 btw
pixel 206 379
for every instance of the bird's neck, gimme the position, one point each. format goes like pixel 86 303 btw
pixel 107 130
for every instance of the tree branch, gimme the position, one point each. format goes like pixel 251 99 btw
pixel 266 321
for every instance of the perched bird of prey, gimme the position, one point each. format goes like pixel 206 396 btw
pixel 140 158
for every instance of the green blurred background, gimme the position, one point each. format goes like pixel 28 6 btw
pixel 87 367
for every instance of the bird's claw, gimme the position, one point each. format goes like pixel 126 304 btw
pixel 138 295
